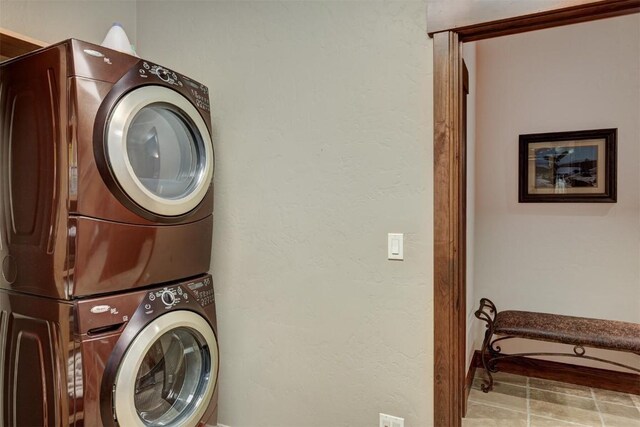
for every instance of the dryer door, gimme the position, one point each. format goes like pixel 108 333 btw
pixel 159 150
pixel 168 373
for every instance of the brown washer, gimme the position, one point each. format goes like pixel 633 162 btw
pixel 143 358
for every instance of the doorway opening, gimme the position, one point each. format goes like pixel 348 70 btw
pixel 450 234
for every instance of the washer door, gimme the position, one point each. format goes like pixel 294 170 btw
pixel 159 150
pixel 168 374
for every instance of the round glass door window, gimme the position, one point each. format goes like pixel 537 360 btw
pixel 173 371
pixel 164 151
pixel 168 374
pixel 159 150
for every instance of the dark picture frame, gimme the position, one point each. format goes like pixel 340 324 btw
pixel 568 167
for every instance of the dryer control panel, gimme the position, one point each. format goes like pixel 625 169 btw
pixel 159 72
pixel 199 91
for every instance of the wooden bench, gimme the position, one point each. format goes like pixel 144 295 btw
pixel 579 332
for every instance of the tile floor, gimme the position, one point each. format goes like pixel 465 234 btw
pixel 518 401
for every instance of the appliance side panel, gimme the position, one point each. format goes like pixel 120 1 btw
pixel 4 355
pixel 33 184
pixel 35 366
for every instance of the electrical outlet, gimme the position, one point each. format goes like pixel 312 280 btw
pixel 391 421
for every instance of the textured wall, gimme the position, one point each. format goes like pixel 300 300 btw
pixel 578 259
pixel 52 21
pixel 469 55
pixel 323 138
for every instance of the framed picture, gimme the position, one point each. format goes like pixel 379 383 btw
pixel 577 166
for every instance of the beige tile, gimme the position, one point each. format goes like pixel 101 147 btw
pixel 565 412
pixel 572 389
pixel 616 421
pixel 613 397
pixel 636 399
pixel 503 395
pixel 477 410
pixel 504 377
pixel 563 399
pixel 630 412
pixel 502 388
pixel 479 373
pixel 477 383
pixel 537 421
pixel 486 422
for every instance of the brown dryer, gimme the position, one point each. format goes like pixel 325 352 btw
pixel 106 166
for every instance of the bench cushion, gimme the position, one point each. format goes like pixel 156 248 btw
pixel 606 334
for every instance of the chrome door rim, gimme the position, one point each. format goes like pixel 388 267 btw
pixel 124 386
pixel 116 150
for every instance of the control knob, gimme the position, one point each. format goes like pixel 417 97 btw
pixel 163 74
pixel 168 298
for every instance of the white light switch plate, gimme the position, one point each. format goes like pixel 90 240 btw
pixel 396 246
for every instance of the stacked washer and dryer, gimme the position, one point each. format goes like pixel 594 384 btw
pixel 107 314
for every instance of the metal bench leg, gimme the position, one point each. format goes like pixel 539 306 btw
pixel 487 362
pixel 487 312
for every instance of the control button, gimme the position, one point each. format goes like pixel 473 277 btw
pixel 163 74
pixel 168 298
pixel 152 296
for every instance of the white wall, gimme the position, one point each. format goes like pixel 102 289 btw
pixel 52 21
pixel 323 138
pixel 576 259
pixel 469 55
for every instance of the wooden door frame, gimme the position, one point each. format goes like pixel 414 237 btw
pixel 450 189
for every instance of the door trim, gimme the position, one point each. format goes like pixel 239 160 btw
pixel 449 173
pixel 448 236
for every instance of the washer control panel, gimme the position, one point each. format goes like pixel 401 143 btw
pixel 174 296
pixel 167 297
pixel 203 291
